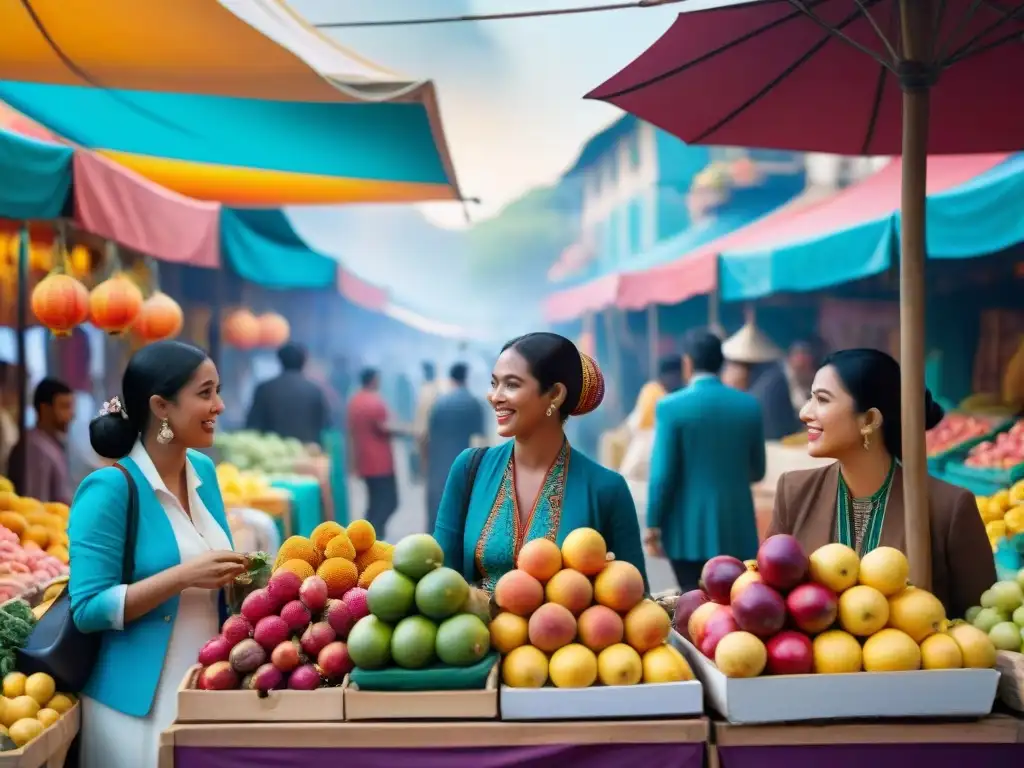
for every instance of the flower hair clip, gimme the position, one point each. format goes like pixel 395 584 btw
pixel 113 405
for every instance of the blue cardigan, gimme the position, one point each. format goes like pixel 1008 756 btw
pixel 130 661
pixel 595 497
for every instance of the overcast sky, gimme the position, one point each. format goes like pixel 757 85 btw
pixel 510 91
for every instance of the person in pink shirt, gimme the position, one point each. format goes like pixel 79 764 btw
pixel 371 453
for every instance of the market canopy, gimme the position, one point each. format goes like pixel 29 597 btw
pixel 35 177
pixel 243 103
pixel 848 236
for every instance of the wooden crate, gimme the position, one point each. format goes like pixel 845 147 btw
pixel 50 750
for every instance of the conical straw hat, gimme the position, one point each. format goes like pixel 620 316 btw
pixel 750 345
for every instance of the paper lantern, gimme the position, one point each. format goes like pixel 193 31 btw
pixel 241 329
pixel 160 318
pixel 114 304
pixel 274 330
pixel 60 303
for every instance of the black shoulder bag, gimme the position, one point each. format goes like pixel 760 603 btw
pixel 474 466
pixel 56 646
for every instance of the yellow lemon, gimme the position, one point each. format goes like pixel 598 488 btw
pixel 665 664
pixel 891 651
pixel 917 612
pixel 836 652
pixel 995 530
pixel 619 664
pixel 573 666
pixel 1017 493
pixel 991 513
pixel 19 708
pixel 40 687
pixel 884 568
pixel 940 651
pixel 14 684
pixel 47 716
pixel 525 667
pixel 23 731
pixel 975 645
pixel 863 610
pixel 61 703
pixel 1001 499
pixel 1014 520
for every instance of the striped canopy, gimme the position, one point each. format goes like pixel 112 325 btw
pixel 239 101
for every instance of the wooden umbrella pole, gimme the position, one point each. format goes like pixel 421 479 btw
pixel 915 17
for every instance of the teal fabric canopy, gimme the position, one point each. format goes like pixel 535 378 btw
pixel 973 210
pixel 35 177
pixel 983 216
pixel 262 247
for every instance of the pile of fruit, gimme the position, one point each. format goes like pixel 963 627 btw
pixel 956 429
pixel 575 618
pixel 292 632
pixel 36 526
pixel 249 450
pixel 1003 513
pixel 1005 452
pixel 245 488
pixel 420 613
pixel 830 613
pixel 1001 614
pixel 28 707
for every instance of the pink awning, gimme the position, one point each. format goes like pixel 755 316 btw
pixel 696 274
pixel 577 301
pixel 116 203
pixel 360 292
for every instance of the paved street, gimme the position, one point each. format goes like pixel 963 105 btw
pixel 411 517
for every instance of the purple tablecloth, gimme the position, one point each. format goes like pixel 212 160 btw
pixel 872 755
pixel 544 756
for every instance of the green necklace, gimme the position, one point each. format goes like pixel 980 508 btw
pixel 876 517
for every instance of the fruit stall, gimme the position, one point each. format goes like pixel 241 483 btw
pixel 360 650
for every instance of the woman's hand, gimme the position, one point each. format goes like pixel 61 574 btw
pixel 652 542
pixel 213 570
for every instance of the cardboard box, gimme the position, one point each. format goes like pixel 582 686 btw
pixel 923 693
pixel 423 705
pixel 51 748
pixel 195 706
pixel 645 700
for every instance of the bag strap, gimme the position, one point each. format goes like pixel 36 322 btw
pixel 473 467
pixel 131 526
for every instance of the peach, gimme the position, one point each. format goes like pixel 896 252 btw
pixel 551 627
pixel 599 627
pixel 698 620
pixel 519 593
pixel 619 585
pixel 585 550
pixel 571 589
pixel 744 580
pixel 647 626
pixel 541 558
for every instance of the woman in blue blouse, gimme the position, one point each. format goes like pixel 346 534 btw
pixel 535 485
pixel 153 626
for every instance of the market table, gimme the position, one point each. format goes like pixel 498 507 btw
pixel 996 740
pixel 618 744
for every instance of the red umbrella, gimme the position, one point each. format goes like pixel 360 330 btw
pixel 908 77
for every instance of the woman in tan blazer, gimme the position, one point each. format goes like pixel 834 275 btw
pixel 853 416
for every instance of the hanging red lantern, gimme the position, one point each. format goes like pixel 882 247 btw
pixel 274 330
pixel 241 329
pixel 60 303
pixel 114 304
pixel 160 318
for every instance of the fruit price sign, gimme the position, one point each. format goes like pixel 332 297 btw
pixel 803 629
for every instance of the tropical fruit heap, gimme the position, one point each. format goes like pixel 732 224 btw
pixel 28 707
pixel 292 632
pixel 1004 452
pixel 241 488
pixel 1003 513
pixel 1001 614
pixel 832 612
pixel 420 613
pixel 33 542
pixel 575 618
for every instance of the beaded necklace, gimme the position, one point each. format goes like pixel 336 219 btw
pixel 859 521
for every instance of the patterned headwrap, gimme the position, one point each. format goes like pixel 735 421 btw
pixel 592 391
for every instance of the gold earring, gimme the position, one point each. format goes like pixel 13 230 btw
pixel 165 433
pixel 551 410
pixel 867 439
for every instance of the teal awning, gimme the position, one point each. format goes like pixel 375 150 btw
pixel 261 247
pixel 35 177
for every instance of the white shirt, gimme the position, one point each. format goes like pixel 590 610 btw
pixel 202 522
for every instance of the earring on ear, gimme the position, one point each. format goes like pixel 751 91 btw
pixel 867 439
pixel 551 410
pixel 165 433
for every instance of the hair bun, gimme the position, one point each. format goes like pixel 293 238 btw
pixel 933 412
pixel 592 391
pixel 112 436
